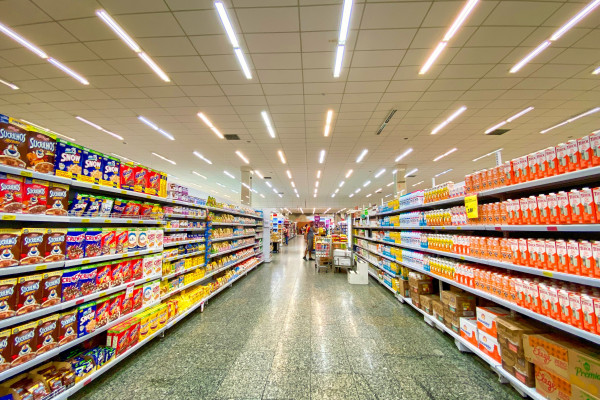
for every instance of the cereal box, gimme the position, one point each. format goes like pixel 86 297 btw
pixel 117 273
pixel 153 186
pixel 35 196
pixel 41 152
pixel 486 319
pixel 57 202
pixel 148 266
pixel 32 246
pixel 5 349
pixel 86 318
pixel 8 298
pixel 110 172
pixel 102 312
pixel 108 242
pixel 137 298
pixel 70 284
pixel 115 306
pixel 24 344
pixel 91 166
pixel 51 288
pixel 103 276
pixel 29 294
pixel 68 161
pixel 67 327
pixel 126 270
pixel 147 294
pixel 11 193
pixel 122 241
pixel 137 268
pixel 93 242
pixel 13 142
pixel 87 280
pixel 10 247
pixel 127 178
pixel 140 178
pixel 126 304
pixel 47 334
pixel 75 241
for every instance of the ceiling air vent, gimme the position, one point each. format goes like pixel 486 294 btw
pixel 387 120
pixel 410 176
pixel 232 137
pixel 268 177
pixel 498 132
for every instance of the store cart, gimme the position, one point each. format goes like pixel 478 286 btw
pixel 323 258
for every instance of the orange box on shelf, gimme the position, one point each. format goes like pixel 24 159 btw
pixel 549 351
pixel 468 330
pixel 486 319
pixel 553 209
pixel 551 259
pixel 576 206
pixel 573 257
pixel 573 156
pixel 595 147
pixel 524 213
pixel 551 161
pixel 562 156
pixel 532 167
pixel 562 256
pixel 590 320
pixel 551 386
pixel 596 258
pixel 542 203
pixel 488 344
pixel 576 315
pixel 564 208
pixel 585 152
pixel 586 257
pixel 534 212
pixel 554 304
pixel 523 255
pixel 540 159
pixel 565 306
pixel 589 215
pixel 507 172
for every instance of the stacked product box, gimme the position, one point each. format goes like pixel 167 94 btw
pixel 457 304
pixel 419 284
pixel 488 330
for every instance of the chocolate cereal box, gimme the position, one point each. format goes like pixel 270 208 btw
pixel 110 172
pixel 91 166
pixel 41 152
pixel 68 161
pixel 13 142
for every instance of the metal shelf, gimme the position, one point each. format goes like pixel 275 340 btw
pixel 497 228
pixel 230 238
pixel 230 224
pixel 222 210
pixel 78 220
pixel 195 253
pixel 175 274
pixel 229 251
pixel 171 244
pixel 184 229
pixel 393 275
pixel 185 216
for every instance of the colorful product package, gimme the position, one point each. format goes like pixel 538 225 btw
pixel 75 241
pixel 11 193
pixel 51 288
pixel 32 246
pixel 86 318
pixel 154 179
pixel 118 208
pixel 136 266
pixel 104 276
pixel 122 241
pixel 41 152
pixel 68 161
pixel 115 306
pixel 79 204
pixel 102 312
pixel 67 327
pixel 140 180
pixel 110 172
pixel 13 142
pixel 58 199
pixel 91 166
pixel 127 179
pixel 55 245
pixel 35 196
pixel 93 242
pixel 117 273
pixel 29 294
pixel 70 284
pixel 87 280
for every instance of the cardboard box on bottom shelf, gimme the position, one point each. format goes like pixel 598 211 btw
pixel 551 386
pixel 401 287
pixel 438 310
pixel 579 394
pixel 468 330
pixel 486 319
pixel 426 302
pixel 489 345
pixel 459 302
pixel 419 283
pixel 415 298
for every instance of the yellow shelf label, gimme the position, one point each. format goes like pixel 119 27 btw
pixel 85 220
pixel 9 217
pixel 548 274
pixel 41 267
pixel 27 174
pixel 95 187
pixel 472 206
pixel 123 191
pixel 107 221
pixel 85 261
pixel 129 221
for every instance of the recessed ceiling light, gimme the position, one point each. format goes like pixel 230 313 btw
pixel 434 55
pixel 401 156
pixel 281 156
pixel 99 128
pixel 578 17
pixel 200 156
pixel 445 154
pixel 337 190
pixel 316 183
pixel 361 156
pixel 328 122
pixel 293 184
pixel 270 129
pixel 377 175
pixel 519 114
pixel 369 195
pixel 344 26
pixel 210 125
pixel 229 174
pixel 268 184
pixel 10 85
pixel 242 156
pixel 350 171
pixel 275 191
pixel 259 174
pixel 220 184
pixel 262 195
pixel 592 111
pixel 357 190
pixel 389 184
pixel 164 158
pixel 289 173
pixel 418 183
pixel 200 175
pixel 156 128
pixel 486 155
pixel 367 183
pixel 321 156
pixel 409 173
pixel 246 186
pixel 232 38
pixel 444 172
pixel 379 190
pixel 351 195
pixel 341 184
pixel 450 119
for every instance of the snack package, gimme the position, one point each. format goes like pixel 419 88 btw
pixel 70 284
pixel 51 288
pixel 110 172
pixel 47 334
pixel 29 294
pixel 13 142
pixel 116 273
pixel 79 204
pixel 132 239
pixel 138 298
pixel 148 266
pixel 118 208
pixel 8 298
pixel 91 166
pixel 132 208
pixel 67 327
pixel 57 202
pixel 11 193
pixel 87 280
pixel 35 196
pixel 127 172
pixel 24 344
pixel 142 239
pixel 154 179
pixel 86 318
pixel 5 350
pixel 93 242
pixel 10 247
pixel 103 276
pixel 136 266
pixel 115 306
pixel 127 272
pixel 93 207
pixel 41 152
pixel 106 207
pixel 108 241
pixel 102 312
pixel 32 246
pixel 68 161
pixel 75 241
pixel 122 241
pixel 55 246
pixel 140 180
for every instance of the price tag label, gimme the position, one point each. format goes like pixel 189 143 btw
pixel 107 221
pixel 123 191
pixel 101 294
pixel 472 206
pixel 9 217
pixel 95 187
pixel 548 274
pixel 87 381
pixel 79 301
pixel 129 221
pixel 28 174
pixel 85 261
pixel 85 220
pixel 41 267
pixel 129 291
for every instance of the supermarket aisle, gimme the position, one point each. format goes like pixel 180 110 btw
pixel 286 333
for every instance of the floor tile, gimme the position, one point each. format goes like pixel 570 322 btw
pixel 287 385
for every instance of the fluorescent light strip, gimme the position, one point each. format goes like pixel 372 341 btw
pixel 411 172
pixel 229 174
pixel 146 58
pixel 262 195
pixel 124 158
pixel 316 184
pixel 328 122
pixel 281 156
pixel 337 190
pixel 156 128
pixel 289 173
pixel 321 156
pixel 350 171
pixel 164 158
pixel 265 117
pixel 318 174
pixel 341 184
pixel 200 175
pixel 596 71
pixel 445 154
pixel 242 156
pixel 233 38
pixel 578 17
pixel 351 195
pixel 369 195
pixel 68 71
pixel 22 41
pixel 530 56
pixel 592 111
pixel 493 128
pixel 377 175
pixel 460 19
pixel 200 156
pixel 362 156
pixel 220 184
pixel 389 184
pixel 246 185
pixel 357 190
pixel 450 119
pixel 442 173
pixel 486 155
pixel 100 128
pixel 210 125
pixel 344 26
pixel 436 53
pixel 401 156
pixel 268 184
pixel 379 190
pixel 243 63
pixel 517 115
pixel 259 174
pixel 293 184
pixel 367 183
pixel 15 87
pixel 418 183
pixel 275 191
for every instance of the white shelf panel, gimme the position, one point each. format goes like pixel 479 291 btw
pixel 183 242
pixel 393 275
pixel 183 271
pixel 380 281
pixel 195 253
pixel 108 257
pixel 225 211
pixel 185 229
pixel 497 228
pixel 230 224
pixel 78 220
pixel 185 216
pixel 229 251
pixel 230 238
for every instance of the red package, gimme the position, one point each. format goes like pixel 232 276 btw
pixel 118 338
pixel 146 209
pixel 126 304
pixel 132 208
pixel 122 241
pixel 153 186
pixel 104 276
pixel 133 333
pixel 137 270
pixel 11 193
pixel 114 309
pixel 116 273
pixel 108 244
pixel 585 152
pixel 138 297
pixel 126 271
pixel 140 178
pixel 35 196
pixel 127 176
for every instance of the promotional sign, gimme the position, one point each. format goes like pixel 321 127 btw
pixel 472 206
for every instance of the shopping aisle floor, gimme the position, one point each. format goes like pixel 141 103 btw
pixel 284 332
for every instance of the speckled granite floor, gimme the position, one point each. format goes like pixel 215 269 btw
pixel 284 332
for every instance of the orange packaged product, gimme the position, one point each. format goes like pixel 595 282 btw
pixel 489 177
pixel 523 258
pixel 553 302
pixel 576 206
pixel 524 214
pixel 565 306
pixel 551 259
pixel 497 176
pixel 562 256
pixel 476 182
pixel 597 312
pixel 589 215
pixel 595 147
pixel 596 258
pixel 531 254
pixel 518 290
pixel 562 158
pixel 573 257
pixel 468 184
pixel 534 297
pixel 532 167
pixel 585 152
pixel 553 210
pixel 596 205
pixel 542 203
pixel 575 302
pixel 564 208
pixel 551 161
pixel 507 172
pixel 551 386
pixel 540 250
pixel 540 160
pixel 513 244
pixel 510 212
pixel 573 156
pixel 519 165
pixel 494 248
pixel 586 259
pixel 534 212
pixel 589 318
pixel 505 253
pixel 544 299
pixel 484 179
pixel 503 213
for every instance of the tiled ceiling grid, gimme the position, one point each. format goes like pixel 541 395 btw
pixel 290 46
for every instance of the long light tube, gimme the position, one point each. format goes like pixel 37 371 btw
pixel 155 127
pixel 164 158
pixel 328 123
pixel 434 55
pixel 445 154
pixel 585 114
pixel 442 173
pixel 289 173
pixel 22 41
pixel 10 85
pixel 242 156
pixel 377 175
pixel 362 155
pixel 208 123
pixel 100 128
pixel 409 173
pixel 224 17
pixel 259 174
pixel 530 56
pixel 450 119
pixel 578 17
pixel 200 156
pixel 322 157
pixel 339 58
pixel 517 115
pixel 350 171
pixel 229 174
pixel 401 156
pixel 265 118
pixel 198 174
pixel 281 156
pixel 487 155
pixel 146 58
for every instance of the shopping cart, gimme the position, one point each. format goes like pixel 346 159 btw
pixel 323 258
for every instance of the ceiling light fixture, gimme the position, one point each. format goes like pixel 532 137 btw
pixel 357 190
pixel 275 191
pixel 511 119
pixel 450 119
pixel 293 184
pixel 48 130
pixel 321 156
pixel 418 183
pixel 341 183
pixel 367 183
pixel 592 111
pixel 350 171
pixel 377 175
pixel 99 128
pixel 112 24
pixel 332 195
pixel 379 190
pixel 220 184
pixel 268 184
pixel 124 158
pixel 259 174
pixel 344 26
pixel 328 122
pixel 325 212
pixel 401 156
pixel 389 184
pixel 444 172
pixel 337 190
pixel 262 195
pixel 281 156
pixel 289 173
pixel 200 156
pixel 316 183
pixel 351 195
pixel 210 125
pixel 68 71
pixel 229 174
pixel 265 118
pixel 596 71
pixel 530 56
pixel 486 155
pixel 445 154
pixel 156 128
pixel 164 158
pixel 10 85
pixel 460 19
pixel 242 156
pixel 246 186
pixel 232 38
pixel 319 174
pixel 409 173
pixel 198 174
pixel 362 156
pixel 369 195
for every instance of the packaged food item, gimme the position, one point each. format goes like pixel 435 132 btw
pixel 68 161
pixel 58 199
pixel 103 276
pixel 147 294
pixel 153 186
pixel 51 288
pixel 91 166
pixel 117 273
pixel 32 246
pixel 70 284
pixel 132 208
pixel 10 247
pixel 126 269
pixel 93 242
pixel 132 240
pixel 8 298
pixel 585 152
pixel 41 152
pixel 148 266
pixel 158 261
pixel 54 245
pixel 79 204
pixel 551 161
pixel 47 334
pixel 122 241
pixel 562 156
pixel 75 242
pixel 106 207
pixel 110 172
pixel 13 142
pixel 35 196
pixel 86 318
pixel 24 344
pixel 108 242
pixel 573 156
pixel 142 239
pixel 127 175
pixel 87 280
pixel 29 294
pixel 138 298
pixel 115 306
pixel 5 349
pixel 595 147
pixel 118 208
pixel 136 268
pixel 102 312
pixel 118 337
pixel 11 193
pixel 126 304
pixel 67 327
pixel 146 210
pixel 140 181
